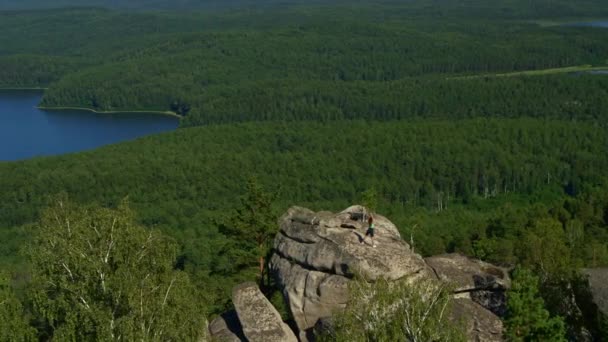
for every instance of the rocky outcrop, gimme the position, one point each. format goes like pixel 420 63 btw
pixel 227 328
pixel 259 319
pixel 480 294
pixel 588 304
pixel 254 319
pixel 480 325
pixel 331 243
pixel 316 255
pixel 479 281
pixel 597 279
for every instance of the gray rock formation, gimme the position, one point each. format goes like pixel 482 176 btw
pixel 317 253
pixel 254 319
pixel 598 287
pixel 588 303
pixel 331 243
pixel 261 322
pixel 480 325
pixel 227 328
pixel 480 281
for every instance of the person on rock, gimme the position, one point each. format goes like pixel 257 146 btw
pixel 370 231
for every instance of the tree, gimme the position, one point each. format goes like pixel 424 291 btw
pixel 180 107
pixel 369 199
pixel 527 319
pixel 544 250
pixel 98 276
pixel 252 227
pixel 13 323
pixel 396 311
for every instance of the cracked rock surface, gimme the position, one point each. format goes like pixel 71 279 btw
pixel 261 322
pixel 253 319
pixel 479 281
pixel 317 253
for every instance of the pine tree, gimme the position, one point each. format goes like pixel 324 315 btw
pixel 527 319
pixel 369 199
pixel 252 227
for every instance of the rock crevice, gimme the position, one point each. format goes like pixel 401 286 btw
pixel 253 319
pixel 316 255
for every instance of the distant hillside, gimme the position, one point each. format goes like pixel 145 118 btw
pixel 39 4
pixel 143 4
pixel 466 8
pixel 308 62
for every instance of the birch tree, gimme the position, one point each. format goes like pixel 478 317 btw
pixel 99 276
pixel 397 311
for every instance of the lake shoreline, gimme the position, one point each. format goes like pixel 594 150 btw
pixel 587 68
pixel 157 112
pixel 168 113
pixel 24 88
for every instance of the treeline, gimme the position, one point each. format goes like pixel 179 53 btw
pixel 568 97
pixel 507 8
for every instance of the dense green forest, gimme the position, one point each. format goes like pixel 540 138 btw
pixel 475 186
pixel 414 102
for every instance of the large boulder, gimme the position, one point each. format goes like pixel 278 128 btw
pixel 261 322
pixel 253 319
pixel 227 328
pixel 331 243
pixel 480 281
pixel 589 304
pixel 317 253
pixel 480 325
pixel 598 287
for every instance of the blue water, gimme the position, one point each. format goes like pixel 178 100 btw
pixel 592 24
pixel 27 132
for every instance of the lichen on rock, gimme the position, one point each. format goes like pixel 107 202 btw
pixel 317 253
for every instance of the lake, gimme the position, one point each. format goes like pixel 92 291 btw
pixel 591 24
pixel 27 132
pixel 597 24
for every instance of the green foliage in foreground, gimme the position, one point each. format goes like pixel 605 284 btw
pixel 397 311
pixel 527 319
pixel 97 275
pixel 14 324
